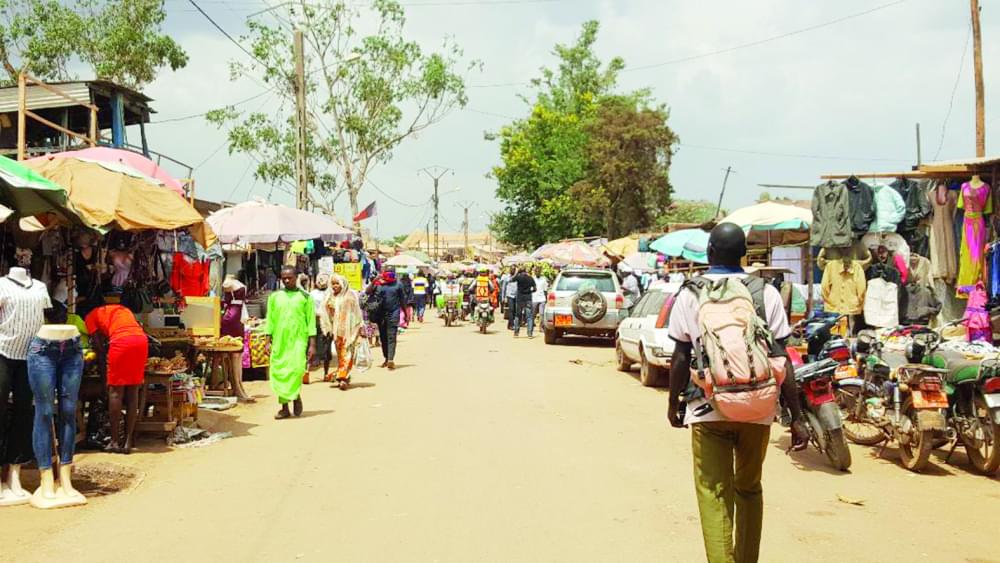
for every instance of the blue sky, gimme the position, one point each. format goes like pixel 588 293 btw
pixel 841 98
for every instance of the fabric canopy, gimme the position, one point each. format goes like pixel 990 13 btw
pixel 133 160
pixel 112 195
pixel 772 223
pixel 260 222
pixel 517 259
pixel 28 193
pixel 641 261
pixel 405 261
pixel 419 255
pixel 572 253
pixel 623 246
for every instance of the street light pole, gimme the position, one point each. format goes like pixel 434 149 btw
pixel 301 176
pixel 977 63
pixel 435 173
pixel 466 206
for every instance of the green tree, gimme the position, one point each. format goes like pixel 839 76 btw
pixel 688 211
pixel 120 40
pixel 360 111
pixel 628 177
pixel 544 155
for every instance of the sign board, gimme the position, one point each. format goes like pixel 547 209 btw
pixel 325 265
pixel 351 271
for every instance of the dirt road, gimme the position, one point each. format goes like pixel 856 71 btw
pixel 486 448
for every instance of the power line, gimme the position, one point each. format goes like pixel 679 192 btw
pixel 954 89
pixel 226 33
pixel 203 114
pixel 791 155
pixel 727 49
pixel 403 203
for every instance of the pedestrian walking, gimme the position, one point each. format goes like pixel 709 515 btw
pixel 322 357
pixel 341 321
pixel 510 296
pixel 291 323
pixel 525 286
pixel 539 296
pixel 420 286
pixel 391 295
pixel 408 300
pixel 728 448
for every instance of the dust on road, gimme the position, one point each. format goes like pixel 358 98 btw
pixel 486 448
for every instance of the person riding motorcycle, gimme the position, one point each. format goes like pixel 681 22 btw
pixel 485 289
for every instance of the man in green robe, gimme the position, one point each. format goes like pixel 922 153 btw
pixel 291 322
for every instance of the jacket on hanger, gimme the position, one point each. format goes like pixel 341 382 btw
pixel 831 226
pixel 843 284
pixel 915 200
pixel 889 209
pixel 861 202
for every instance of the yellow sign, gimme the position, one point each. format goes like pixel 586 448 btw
pixel 351 271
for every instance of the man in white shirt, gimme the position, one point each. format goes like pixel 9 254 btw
pixel 538 297
pixel 718 445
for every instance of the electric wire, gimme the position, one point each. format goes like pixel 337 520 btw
pixel 954 89
pixel 403 203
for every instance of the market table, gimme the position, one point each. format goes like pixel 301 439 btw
pixel 224 359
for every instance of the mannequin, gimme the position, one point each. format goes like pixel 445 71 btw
pixel 55 367
pixel 976 181
pixel 22 304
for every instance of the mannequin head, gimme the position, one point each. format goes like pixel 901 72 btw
pixel 727 245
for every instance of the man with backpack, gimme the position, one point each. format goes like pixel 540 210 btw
pixel 729 367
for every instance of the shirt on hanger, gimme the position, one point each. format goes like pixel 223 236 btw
pixel 882 303
pixel 843 285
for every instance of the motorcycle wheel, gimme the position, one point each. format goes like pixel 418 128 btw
pixel 482 328
pixel 857 426
pixel 836 449
pixel 915 455
pixel 447 320
pixel 982 446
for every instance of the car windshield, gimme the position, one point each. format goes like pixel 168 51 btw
pixel 583 282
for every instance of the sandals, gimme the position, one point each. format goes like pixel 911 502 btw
pixel 297 407
pixel 282 414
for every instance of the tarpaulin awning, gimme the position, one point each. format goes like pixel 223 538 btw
pixel 772 223
pixel 133 160
pixel 28 193
pixel 623 247
pixel 572 253
pixel 260 222
pixel 112 195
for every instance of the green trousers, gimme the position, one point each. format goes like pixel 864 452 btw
pixel 728 461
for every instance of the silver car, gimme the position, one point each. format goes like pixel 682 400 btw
pixel 583 301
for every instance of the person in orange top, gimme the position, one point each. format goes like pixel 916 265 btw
pixel 122 342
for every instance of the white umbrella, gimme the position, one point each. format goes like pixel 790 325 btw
pixel 405 261
pixel 260 222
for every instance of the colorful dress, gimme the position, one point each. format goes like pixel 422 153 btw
pixel 944 264
pixel 341 319
pixel 232 312
pixel 977 318
pixel 976 202
pixel 291 322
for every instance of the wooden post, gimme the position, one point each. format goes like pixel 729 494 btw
pixel 809 280
pixel 977 58
pixel 22 93
pixel 93 127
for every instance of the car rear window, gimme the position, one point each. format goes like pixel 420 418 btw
pixel 577 282
pixel 654 303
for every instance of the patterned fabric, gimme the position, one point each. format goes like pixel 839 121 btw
pixel 260 350
pixel 21 315
pixel 976 202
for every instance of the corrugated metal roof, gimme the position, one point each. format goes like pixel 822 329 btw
pixel 40 98
pixel 960 165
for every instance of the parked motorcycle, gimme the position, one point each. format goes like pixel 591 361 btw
pixel 906 405
pixel 451 311
pixel 483 315
pixel 820 411
pixel 973 415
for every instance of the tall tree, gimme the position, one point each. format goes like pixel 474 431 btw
pixel 120 40
pixel 627 186
pixel 545 154
pixel 360 111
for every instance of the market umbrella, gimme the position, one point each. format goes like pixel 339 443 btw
pixel 107 195
pixel 28 193
pixel 573 253
pixel 641 261
pixel 260 222
pixel 405 261
pixel 419 255
pixel 515 259
pixel 672 244
pixel 773 223
pixel 133 160
pixel 623 247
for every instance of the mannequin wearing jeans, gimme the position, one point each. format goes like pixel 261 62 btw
pixel 22 312
pixel 55 368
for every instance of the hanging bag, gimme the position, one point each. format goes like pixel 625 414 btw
pixel 362 356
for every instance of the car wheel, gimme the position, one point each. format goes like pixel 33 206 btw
pixel 550 336
pixel 624 364
pixel 649 375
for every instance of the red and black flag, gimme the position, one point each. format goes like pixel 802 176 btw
pixel 366 213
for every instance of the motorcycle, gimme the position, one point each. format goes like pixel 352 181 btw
pixel 820 341
pixel 973 413
pixel 483 315
pixel 906 405
pixel 451 311
pixel 820 410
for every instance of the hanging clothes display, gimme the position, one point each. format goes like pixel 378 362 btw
pixel 919 304
pixel 892 241
pixel 889 209
pixel 977 318
pixel 831 226
pixel 976 201
pixel 944 259
pixel 189 277
pixel 918 208
pixel 882 303
pixel 843 284
pixel 920 271
pixel 861 204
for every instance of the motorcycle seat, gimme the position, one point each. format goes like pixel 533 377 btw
pixel 814 369
pixel 959 367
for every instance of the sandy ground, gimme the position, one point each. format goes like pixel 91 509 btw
pixel 486 448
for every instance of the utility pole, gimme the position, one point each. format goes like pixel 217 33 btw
pixel 301 177
pixel 977 58
pixel 725 180
pixel 428 239
pixel 466 206
pixel 435 173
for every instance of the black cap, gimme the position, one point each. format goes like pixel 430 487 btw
pixel 728 239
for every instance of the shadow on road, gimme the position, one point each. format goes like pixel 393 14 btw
pixel 808 459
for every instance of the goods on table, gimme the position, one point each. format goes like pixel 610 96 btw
pixel 159 365
pixel 234 343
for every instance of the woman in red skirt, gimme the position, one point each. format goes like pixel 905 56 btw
pixel 127 348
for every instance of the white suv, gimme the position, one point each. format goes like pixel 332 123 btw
pixel 584 301
pixel 642 336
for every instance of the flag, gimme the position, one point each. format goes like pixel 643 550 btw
pixel 366 213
